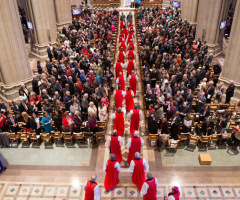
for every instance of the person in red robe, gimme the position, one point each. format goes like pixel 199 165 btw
pixel 149 188
pixel 121 55
pixel 122 23
pixel 120 38
pixel 132 79
pixel 137 169
pixel 130 44
pixel 119 96
pixel 174 195
pixel 91 188
pixel 112 169
pixel 134 145
pixel 118 68
pixel 125 32
pixel 131 65
pixel 118 123
pixel 129 99
pixel 122 45
pixel 135 116
pixel 130 36
pixel 130 53
pixel 114 142
pixel 121 81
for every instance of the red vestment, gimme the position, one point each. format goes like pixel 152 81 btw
pixel 118 69
pixel 89 190
pixel 133 84
pixel 118 99
pixel 121 56
pixel 121 24
pixel 116 148
pixel 138 176
pixel 130 53
pixel 125 32
pixel 130 36
pixel 121 82
pixel 129 101
pixel 120 39
pixel 123 45
pixel 134 125
pixel 152 191
pixel 130 66
pixel 119 123
pixel 135 147
pixel 176 196
pixel 111 178
pixel 131 44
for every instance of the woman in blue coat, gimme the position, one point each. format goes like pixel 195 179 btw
pixel 47 122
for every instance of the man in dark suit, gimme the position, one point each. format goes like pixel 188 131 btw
pixel 207 127
pixel 49 66
pixel 58 88
pixel 35 85
pixel 209 92
pixel 12 123
pixel 229 91
pixel 175 125
pixel 23 106
pixel 189 98
pixel 49 51
pixel 201 100
pixel 3 108
pixel 192 84
pixel 24 90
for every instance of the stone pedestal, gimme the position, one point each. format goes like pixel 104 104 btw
pixel 14 64
pixel 230 69
pixel 63 13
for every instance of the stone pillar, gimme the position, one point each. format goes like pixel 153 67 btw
pixel 14 64
pixel 63 13
pixel 189 10
pixel 42 15
pixel 77 2
pixel 210 15
pixel 231 63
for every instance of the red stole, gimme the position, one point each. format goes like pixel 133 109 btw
pixel 129 101
pixel 118 99
pixel 125 32
pixel 176 196
pixel 120 39
pixel 123 46
pixel 135 147
pixel 129 37
pixel 89 190
pixel 134 125
pixel 130 66
pixel 111 178
pixel 119 123
pixel 138 176
pixel 131 44
pixel 121 82
pixel 130 53
pixel 133 84
pixel 118 69
pixel 116 148
pixel 152 190
pixel 121 56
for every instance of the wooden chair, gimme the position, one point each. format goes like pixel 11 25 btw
pixel 34 139
pixel 152 138
pixel 102 125
pixel 13 138
pixel 57 137
pixel 67 138
pixel 100 137
pixel 24 139
pixel 193 139
pixel 47 139
pixel 215 138
pixel 224 138
pixel 173 145
pixel 79 137
pixel 184 137
pixel 204 140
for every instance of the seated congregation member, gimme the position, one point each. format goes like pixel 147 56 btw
pixel 67 122
pixel 47 122
pixel 207 127
pixel 175 125
pixel 134 145
pixel 163 130
pixel 77 121
pixel 149 188
pixel 137 169
pixel 150 98
pixel 222 123
pixel 92 191
pixel 152 123
pixel 57 120
pixel 184 110
pixel 114 143
pixel 112 169
pixel 35 123
pixel 187 124
pixel 174 194
pixel 204 113
pixel 92 122
pixel 102 111
pixel 12 123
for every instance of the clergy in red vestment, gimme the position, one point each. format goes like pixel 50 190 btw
pixel 118 68
pixel 91 188
pixel 129 99
pixel 121 81
pixel 131 65
pixel 137 169
pixel 121 55
pixel 120 38
pixel 132 79
pixel 130 44
pixel 134 145
pixel 118 123
pixel 122 45
pixel 114 142
pixel 130 37
pixel 112 168
pixel 135 116
pixel 122 23
pixel 174 195
pixel 149 188
pixel 125 32
pixel 119 96
pixel 130 53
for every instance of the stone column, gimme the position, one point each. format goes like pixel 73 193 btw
pixel 230 69
pixel 42 15
pixel 189 10
pixel 210 15
pixel 77 2
pixel 63 13
pixel 14 64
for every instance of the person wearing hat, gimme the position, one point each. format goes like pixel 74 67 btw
pixel 174 195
